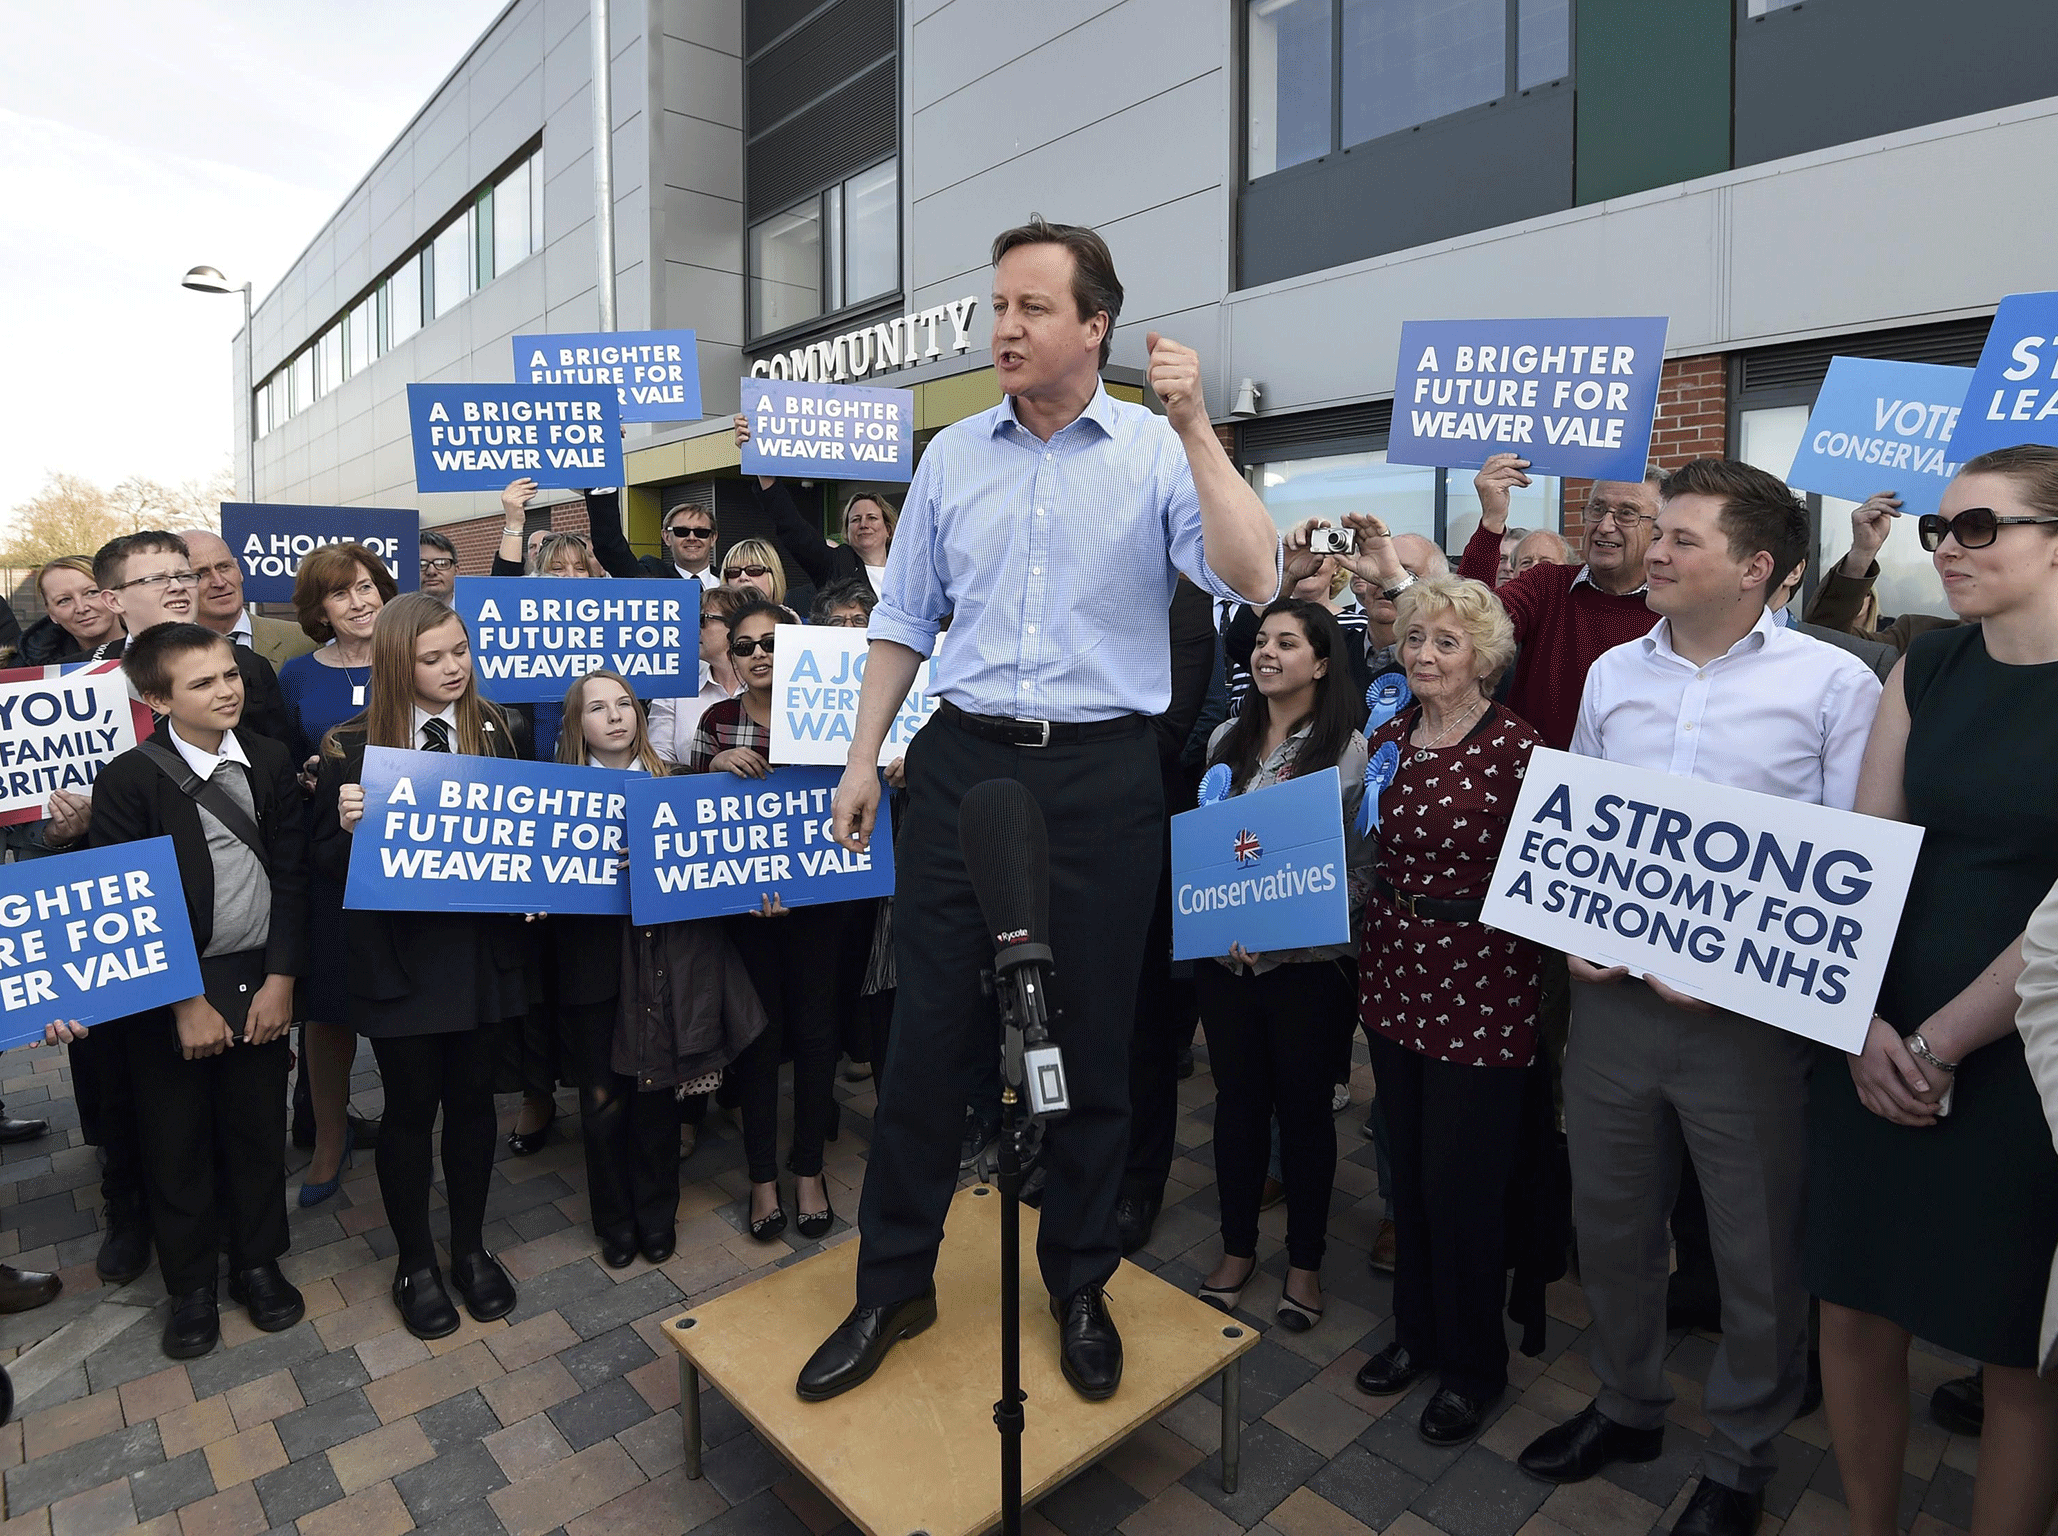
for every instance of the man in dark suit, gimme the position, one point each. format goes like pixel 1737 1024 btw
pixel 689 547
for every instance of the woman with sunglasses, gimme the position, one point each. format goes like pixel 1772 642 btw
pixel 1933 1185
pixel 754 563
pixel 869 519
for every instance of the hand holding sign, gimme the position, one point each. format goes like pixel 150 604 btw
pixel 1502 473
pixel 1175 378
pixel 1871 521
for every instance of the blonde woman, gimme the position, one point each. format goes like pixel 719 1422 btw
pixel 754 563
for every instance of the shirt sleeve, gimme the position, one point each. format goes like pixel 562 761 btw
pixel 1481 560
pixel 912 595
pixel 704 747
pixel 1183 528
pixel 1360 857
pixel 1586 735
pixel 1848 707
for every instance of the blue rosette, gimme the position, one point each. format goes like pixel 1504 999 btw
pixel 1214 784
pixel 1387 697
pixel 1380 771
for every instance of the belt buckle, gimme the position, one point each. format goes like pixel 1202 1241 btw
pixel 1405 900
pixel 1044 727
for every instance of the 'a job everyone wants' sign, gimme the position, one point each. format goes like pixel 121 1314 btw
pixel 817 673
pixel 2013 396
pixel 843 430
pixel 1882 426
pixel 656 374
pixel 1776 909
pixel 269 540
pixel 1264 870
pixel 531 636
pixel 477 437
pixel 59 726
pixel 444 832
pixel 93 936
pixel 1573 397
pixel 709 844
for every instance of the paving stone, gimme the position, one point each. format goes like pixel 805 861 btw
pixel 672 1502
pixel 274 1351
pixel 743 1466
pixel 467 1520
pixel 461 1420
pixel 171 1484
pixel 131 1354
pixel 1271 1374
pixel 232 1512
pixel 417 1387
pixel 526 1448
pixel 1394 1436
pixel 1949 1497
pixel 298 1488
pixel 596 1415
pixel 591 1316
pixel 381 1455
pixel 1272 1465
pixel 607 1357
pixel 265 1399
pixel 329 1376
pixel 160 1392
pixel 1481 1495
pixel 459 1475
pixel 69 1424
pixel 567 1490
pixel 1367 1487
pixel 657 1444
pixel 311 1430
pixel 79 1467
pixel 534 1339
pixel 562 1287
pixel 763 1514
pixel 1179 1511
pixel 1091 1504
pixel 373 1511
pixel 98 1511
pixel 540 1221
pixel 1657 1481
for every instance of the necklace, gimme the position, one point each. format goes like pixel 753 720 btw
pixel 1422 753
pixel 357 687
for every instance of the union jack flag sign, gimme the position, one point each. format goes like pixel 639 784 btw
pixel 1246 846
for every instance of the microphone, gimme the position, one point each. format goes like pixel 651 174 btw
pixel 1007 855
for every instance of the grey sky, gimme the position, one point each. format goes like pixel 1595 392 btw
pixel 137 140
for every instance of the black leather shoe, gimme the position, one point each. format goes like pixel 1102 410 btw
pixel 1452 1418
pixel 1960 1405
pixel 12 1130
pixel 1718 1511
pixel 618 1249
pixel 424 1304
pixel 125 1251
pixel 1089 1349
pixel 194 1326
pixel 269 1297
pixel 24 1290
pixel 1390 1372
pixel 487 1290
pixel 659 1246
pixel 1135 1215
pixel 850 1355
pixel 1585 1443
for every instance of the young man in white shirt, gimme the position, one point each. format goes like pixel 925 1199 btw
pixel 1724 692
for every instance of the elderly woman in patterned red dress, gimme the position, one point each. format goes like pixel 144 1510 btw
pixel 1449 1005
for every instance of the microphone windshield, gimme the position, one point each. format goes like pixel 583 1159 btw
pixel 1007 855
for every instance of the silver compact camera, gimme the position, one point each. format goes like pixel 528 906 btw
pixel 1332 541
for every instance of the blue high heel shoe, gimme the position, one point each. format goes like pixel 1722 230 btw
pixel 315 1194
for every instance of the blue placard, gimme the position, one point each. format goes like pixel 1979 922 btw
pixel 531 635
pixel 2013 396
pixel 656 374
pixel 709 844
pixel 444 832
pixel 1573 397
pixel 93 936
pixel 841 431
pixel 478 437
pixel 1265 870
pixel 270 539
pixel 1882 426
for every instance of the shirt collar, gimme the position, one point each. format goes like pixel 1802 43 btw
pixel 202 762
pixel 447 714
pixel 1586 575
pixel 1659 641
pixel 241 630
pixel 1100 410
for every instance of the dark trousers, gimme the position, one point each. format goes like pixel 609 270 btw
pixel 107 1117
pixel 791 963
pixel 631 1136
pixel 1272 1049
pixel 853 925
pixel 1453 1131
pixel 1102 805
pixel 212 1137
pixel 1164 1023
pixel 424 1073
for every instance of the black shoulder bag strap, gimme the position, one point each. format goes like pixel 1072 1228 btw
pixel 211 796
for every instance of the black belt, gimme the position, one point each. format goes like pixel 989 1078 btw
pixel 1427 906
pixel 1037 733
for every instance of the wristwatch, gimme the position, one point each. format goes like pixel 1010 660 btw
pixel 1919 1049
pixel 1394 591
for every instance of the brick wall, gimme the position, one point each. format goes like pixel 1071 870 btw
pixel 1693 423
pixel 477 538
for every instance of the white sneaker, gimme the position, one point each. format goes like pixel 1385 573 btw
pixel 1341 1099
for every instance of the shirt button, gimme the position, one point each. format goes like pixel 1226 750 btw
pixel 1032 629
pixel 1689 725
pixel 1035 570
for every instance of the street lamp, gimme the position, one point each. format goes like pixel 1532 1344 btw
pixel 210 280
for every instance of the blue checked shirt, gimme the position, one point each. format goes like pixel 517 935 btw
pixel 1055 563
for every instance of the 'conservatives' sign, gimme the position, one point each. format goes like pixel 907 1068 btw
pixel 1264 870
pixel 270 539
pixel 1882 426
pixel 656 374
pixel 532 635
pixel 477 437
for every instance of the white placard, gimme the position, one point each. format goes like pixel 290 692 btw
pixel 1775 909
pixel 817 671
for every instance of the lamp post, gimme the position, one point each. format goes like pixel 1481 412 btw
pixel 210 280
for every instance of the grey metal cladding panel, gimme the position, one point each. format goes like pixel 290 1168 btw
pixel 764 20
pixel 844 132
pixel 705 156
pixel 703 83
pixel 963 42
pixel 1170 257
pixel 498 72
pixel 1471 173
pixel 441 191
pixel 1809 76
pixel 703 231
pixel 834 46
pixel 1124 55
pixel 716 24
pixel 705 301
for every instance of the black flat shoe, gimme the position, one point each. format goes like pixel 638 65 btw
pixel 814 1225
pixel 529 1143
pixel 1390 1372
pixel 849 1356
pixel 268 1296
pixel 424 1305
pixel 1452 1418
pixel 1135 1215
pixel 487 1291
pixel 616 1250
pixel 194 1326
pixel 659 1246
pixel 765 1228
pixel 1961 1405
pixel 12 1130
pixel 125 1251
pixel 1718 1511
pixel 1582 1445
pixel 1089 1348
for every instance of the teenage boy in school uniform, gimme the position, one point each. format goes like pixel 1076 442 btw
pixel 211 1071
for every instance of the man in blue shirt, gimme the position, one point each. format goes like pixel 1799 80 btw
pixel 1049 531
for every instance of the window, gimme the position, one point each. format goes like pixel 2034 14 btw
pixel 1413 61
pixel 275 391
pixel 871 233
pixel 840 247
pixel 363 327
pixel 511 222
pixel 404 301
pixel 451 263
pixel 1543 43
pixel 1350 482
pixel 786 269
pixel 1753 9
pixel 300 381
pixel 261 408
pixel 1534 506
pixel 1289 71
pixel 329 354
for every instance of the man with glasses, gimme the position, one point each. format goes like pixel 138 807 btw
pixel 219 603
pixel 689 548
pixel 439 564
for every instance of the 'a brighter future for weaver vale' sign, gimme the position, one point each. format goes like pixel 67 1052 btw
pixel 2013 396
pixel 842 430
pixel 1882 426
pixel 59 726
pixel 93 936
pixel 443 832
pixel 1775 909
pixel 817 673
pixel 656 374
pixel 1264 870
pixel 1573 397
pixel 531 636
pixel 709 844
pixel 270 539
pixel 477 437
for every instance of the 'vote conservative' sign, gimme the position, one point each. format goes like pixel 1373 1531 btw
pixel 270 539
pixel 1264 870
pixel 1882 426
pixel 2013 396
pixel 656 374
pixel 845 431
pixel 532 635
pixel 478 437
pixel 709 844
pixel 1573 397
pixel 93 936
pixel 1776 909
pixel 59 726
pixel 444 832
pixel 817 673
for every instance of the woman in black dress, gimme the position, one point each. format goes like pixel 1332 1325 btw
pixel 1922 1221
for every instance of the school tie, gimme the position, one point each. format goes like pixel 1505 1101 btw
pixel 435 735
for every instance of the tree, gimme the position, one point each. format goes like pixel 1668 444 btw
pixel 73 516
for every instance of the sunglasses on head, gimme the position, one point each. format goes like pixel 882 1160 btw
pixel 742 648
pixel 731 572
pixel 1974 528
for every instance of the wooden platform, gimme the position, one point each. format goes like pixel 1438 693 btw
pixel 915 1449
